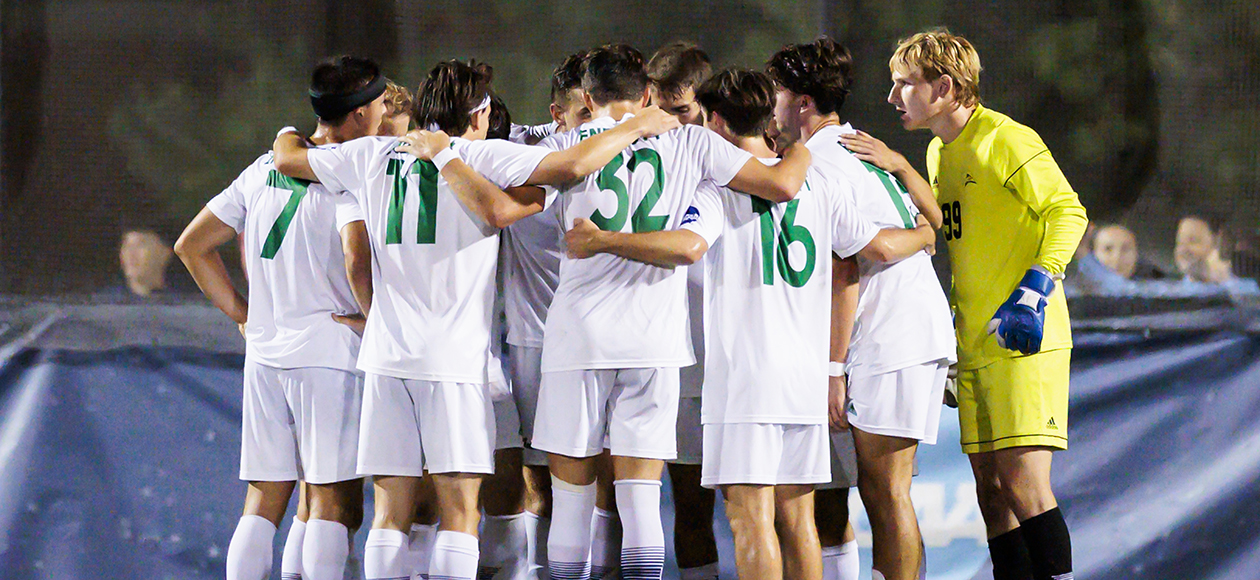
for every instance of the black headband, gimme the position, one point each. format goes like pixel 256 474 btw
pixel 331 107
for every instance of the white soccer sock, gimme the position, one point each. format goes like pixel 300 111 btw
pixel 505 550
pixel 420 549
pixel 325 551
pixel 385 555
pixel 249 553
pixel 569 536
pixel 605 543
pixel 541 528
pixel 643 538
pixel 841 562
pixel 455 556
pixel 291 559
pixel 705 572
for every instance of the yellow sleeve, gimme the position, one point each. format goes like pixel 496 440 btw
pixel 933 164
pixel 1040 184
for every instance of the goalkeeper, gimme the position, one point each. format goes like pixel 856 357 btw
pixel 1012 223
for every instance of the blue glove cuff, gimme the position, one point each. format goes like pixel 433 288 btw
pixel 1037 281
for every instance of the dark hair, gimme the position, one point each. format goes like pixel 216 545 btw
pixel 500 119
pixel 678 66
pixel 614 72
pixel 744 99
pixel 821 69
pixel 567 76
pixel 449 92
pixel 342 75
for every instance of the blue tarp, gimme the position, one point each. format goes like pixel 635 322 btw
pixel 121 462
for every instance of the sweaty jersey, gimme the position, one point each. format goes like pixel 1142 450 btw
pixel 434 262
pixel 614 313
pixel 297 272
pixel 767 296
pixel 902 317
pixel 1007 207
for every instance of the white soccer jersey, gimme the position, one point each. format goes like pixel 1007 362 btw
pixel 613 313
pixel 434 261
pixel 530 272
pixel 297 272
pixel 903 317
pixel 767 294
pixel 691 379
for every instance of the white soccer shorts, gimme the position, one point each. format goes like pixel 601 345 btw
pixel 410 426
pixel 299 423
pixel 690 432
pixel 765 454
pixel 636 408
pixel 844 470
pixel 515 415
pixel 902 403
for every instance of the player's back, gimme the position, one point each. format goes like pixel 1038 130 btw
pixel 610 312
pixel 295 267
pixel 767 298
pixel 434 262
pixel 903 317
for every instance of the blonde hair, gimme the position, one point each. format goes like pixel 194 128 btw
pixel 937 53
pixel 398 99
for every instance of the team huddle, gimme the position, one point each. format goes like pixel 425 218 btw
pixel 710 271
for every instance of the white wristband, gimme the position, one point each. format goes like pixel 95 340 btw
pixel 287 130
pixel 443 157
pixel 836 369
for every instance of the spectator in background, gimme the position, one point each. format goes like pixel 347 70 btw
pixel 1200 259
pixel 144 256
pixel 1115 246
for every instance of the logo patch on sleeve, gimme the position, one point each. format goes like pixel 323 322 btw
pixel 692 214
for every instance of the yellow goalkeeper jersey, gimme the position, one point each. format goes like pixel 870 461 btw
pixel 1007 207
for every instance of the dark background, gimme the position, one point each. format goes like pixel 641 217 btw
pixel 120 113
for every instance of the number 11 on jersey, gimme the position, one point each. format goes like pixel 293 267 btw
pixel 426 220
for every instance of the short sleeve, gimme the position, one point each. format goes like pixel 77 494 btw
pixel 719 160
pixel 504 163
pixel 850 230
pixel 230 205
pixel 347 209
pixel 343 167
pixel 705 216
pixel 934 164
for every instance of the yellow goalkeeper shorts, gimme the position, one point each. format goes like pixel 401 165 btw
pixel 1015 402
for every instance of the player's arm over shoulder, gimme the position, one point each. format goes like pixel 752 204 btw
pixel 1034 177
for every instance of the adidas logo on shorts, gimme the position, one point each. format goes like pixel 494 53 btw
pixel 1050 424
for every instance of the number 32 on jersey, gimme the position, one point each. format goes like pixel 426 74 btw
pixel 643 220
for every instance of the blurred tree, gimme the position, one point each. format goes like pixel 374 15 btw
pixel 189 144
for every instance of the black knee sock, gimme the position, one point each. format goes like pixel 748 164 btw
pixel 1010 556
pixel 1049 545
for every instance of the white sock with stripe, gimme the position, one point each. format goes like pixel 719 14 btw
pixel 643 538
pixel 569 536
pixel 291 558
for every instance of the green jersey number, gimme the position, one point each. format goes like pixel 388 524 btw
pixel 281 226
pixel 789 233
pixel 426 222
pixel 896 191
pixel 642 220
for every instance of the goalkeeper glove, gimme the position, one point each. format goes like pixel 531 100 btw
pixel 1019 322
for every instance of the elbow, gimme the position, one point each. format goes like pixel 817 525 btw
pixel 184 248
pixel 500 216
pixel 692 254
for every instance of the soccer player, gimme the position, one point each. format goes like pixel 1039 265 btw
pixel 616 331
pixel 765 425
pixel 301 324
pixel 1012 223
pixel 427 347
pixel 398 103
pixel 677 70
pixel 902 338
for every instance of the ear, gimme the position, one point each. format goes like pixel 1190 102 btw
pixel 944 86
pixel 806 102
pixel 588 101
pixel 556 112
pixel 646 99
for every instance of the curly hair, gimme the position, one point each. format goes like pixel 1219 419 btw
pixel 448 94
pixel 743 98
pixel 567 76
pixel 398 99
pixel 614 72
pixel 821 69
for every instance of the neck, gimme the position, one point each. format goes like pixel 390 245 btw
pixel 617 110
pixel 950 124
pixel 147 284
pixel 755 145
pixel 326 134
pixel 814 123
